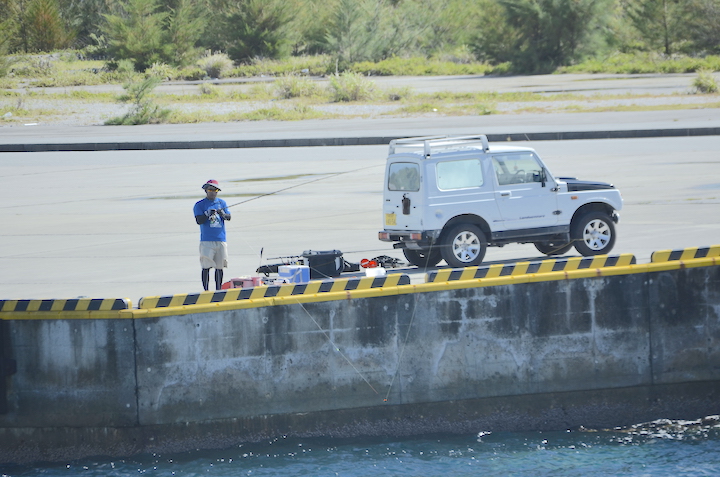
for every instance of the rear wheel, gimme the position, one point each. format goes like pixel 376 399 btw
pixel 423 258
pixel 552 248
pixel 593 234
pixel 464 246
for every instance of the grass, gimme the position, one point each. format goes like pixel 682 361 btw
pixel 294 96
pixel 623 63
pixel 275 113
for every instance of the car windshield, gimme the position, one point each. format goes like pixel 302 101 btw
pixel 516 168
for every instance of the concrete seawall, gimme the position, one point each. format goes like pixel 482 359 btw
pixel 592 347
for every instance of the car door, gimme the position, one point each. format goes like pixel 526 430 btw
pixel 525 194
pixel 403 197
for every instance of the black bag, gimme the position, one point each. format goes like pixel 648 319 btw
pixel 324 264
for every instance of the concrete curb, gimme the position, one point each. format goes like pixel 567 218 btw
pixel 347 141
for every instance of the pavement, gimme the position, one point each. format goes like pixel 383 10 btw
pixel 352 132
pixel 114 221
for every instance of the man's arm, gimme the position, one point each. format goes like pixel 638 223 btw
pixel 201 219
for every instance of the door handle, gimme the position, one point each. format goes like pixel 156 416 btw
pixel 504 194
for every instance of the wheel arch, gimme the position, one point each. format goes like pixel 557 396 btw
pixel 465 219
pixel 592 207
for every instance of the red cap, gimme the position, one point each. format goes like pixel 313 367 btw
pixel 211 183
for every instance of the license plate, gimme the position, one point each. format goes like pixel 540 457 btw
pixel 390 219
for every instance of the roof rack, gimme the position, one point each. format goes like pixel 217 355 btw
pixel 431 144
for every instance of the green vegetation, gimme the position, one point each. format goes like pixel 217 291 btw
pixel 636 63
pixel 351 87
pixel 143 109
pixel 705 82
pixel 140 43
pixel 226 38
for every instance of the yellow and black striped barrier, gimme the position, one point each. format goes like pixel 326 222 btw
pixel 275 291
pixel 70 304
pixel 685 254
pixel 527 268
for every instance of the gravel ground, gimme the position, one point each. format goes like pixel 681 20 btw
pixel 79 113
pixel 643 91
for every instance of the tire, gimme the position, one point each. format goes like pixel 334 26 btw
pixel 421 258
pixel 464 246
pixel 593 234
pixel 551 248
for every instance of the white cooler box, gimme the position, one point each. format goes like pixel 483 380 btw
pixel 294 273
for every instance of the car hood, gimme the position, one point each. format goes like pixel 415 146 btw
pixel 577 185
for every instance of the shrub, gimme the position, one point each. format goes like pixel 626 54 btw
pixel 216 65
pixel 161 71
pixel 143 110
pixel 307 65
pixel 418 66
pixel 34 66
pixel 350 86
pixel 192 73
pixel 291 86
pixel 462 55
pixel 209 90
pixel 705 82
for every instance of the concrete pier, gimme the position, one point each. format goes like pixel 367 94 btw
pixel 593 347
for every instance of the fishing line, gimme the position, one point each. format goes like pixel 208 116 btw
pixel 402 351
pixel 336 348
pixel 302 184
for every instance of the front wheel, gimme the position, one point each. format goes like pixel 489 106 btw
pixel 464 246
pixel 593 234
pixel 423 258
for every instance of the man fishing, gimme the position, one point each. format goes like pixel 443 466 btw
pixel 211 214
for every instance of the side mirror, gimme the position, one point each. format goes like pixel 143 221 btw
pixel 540 177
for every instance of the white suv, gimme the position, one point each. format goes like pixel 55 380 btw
pixel 450 197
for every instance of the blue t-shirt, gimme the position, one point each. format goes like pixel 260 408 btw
pixel 214 229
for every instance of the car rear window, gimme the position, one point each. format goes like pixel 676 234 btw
pixel 404 176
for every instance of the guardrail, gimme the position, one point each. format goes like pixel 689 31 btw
pixel 685 253
pixel 273 291
pixel 533 267
pixel 89 307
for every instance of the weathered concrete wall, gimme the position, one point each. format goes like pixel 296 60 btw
pixel 74 373
pixel 607 350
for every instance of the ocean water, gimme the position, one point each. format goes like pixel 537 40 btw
pixel 660 448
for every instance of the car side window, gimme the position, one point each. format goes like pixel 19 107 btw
pixel 516 168
pixel 459 174
pixel 404 176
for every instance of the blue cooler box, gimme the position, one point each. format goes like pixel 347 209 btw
pixel 294 273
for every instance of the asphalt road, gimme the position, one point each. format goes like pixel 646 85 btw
pixel 120 223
